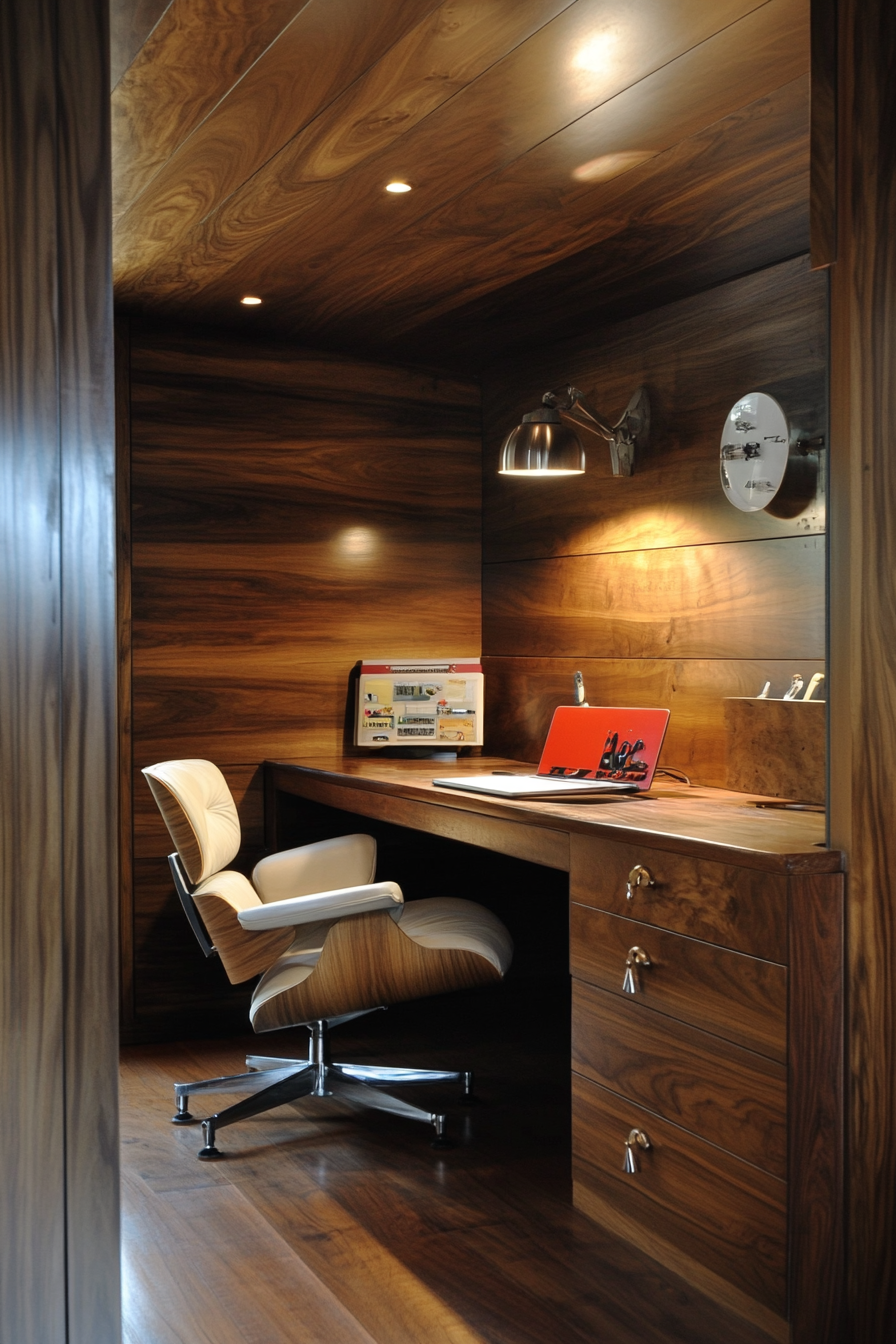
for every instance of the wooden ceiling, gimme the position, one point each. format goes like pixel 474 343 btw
pixel 571 143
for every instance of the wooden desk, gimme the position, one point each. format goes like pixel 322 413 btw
pixel 729 1054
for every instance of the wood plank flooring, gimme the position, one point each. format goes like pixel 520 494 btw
pixel 324 1227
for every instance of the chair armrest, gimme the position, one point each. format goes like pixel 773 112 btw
pixel 324 905
pixel 325 865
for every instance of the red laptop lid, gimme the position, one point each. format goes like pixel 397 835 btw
pixel 586 742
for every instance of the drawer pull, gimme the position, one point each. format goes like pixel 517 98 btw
pixel 638 877
pixel 636 1138
pixel 636 957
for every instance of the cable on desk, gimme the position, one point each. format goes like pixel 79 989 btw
pixel 674 774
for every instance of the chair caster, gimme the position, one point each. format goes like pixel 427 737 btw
pixel 209 1153
pixel 441 1139
pixel 182 1116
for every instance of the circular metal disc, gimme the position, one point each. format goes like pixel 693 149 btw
pixel 753 452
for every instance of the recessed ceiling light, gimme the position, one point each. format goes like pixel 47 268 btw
pixel 250 300
pixel 397 187
pixel 597 56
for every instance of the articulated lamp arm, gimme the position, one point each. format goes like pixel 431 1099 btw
pixel 632 427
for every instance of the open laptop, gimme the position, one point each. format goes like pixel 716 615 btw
pixel 589 750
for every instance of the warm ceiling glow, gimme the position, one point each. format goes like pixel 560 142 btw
pixel 250 300
pixel 611 165
pixel 597 54
pixel 397 187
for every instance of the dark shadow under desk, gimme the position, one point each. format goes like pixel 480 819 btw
pixel 728 1058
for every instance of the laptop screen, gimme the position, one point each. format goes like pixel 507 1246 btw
pixel 586 742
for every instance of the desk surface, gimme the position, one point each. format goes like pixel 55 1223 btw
pixel 709 823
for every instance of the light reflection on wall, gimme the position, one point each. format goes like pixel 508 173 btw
pixel 642 528
pixel 358 544
pixel 606 166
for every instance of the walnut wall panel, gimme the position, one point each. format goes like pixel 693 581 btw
pixel 863 635
pixel 524 692
pixel 58 991
pixel 290 513
pixel 683 602
pixel 654 586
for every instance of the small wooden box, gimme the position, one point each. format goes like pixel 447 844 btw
pixel 777 748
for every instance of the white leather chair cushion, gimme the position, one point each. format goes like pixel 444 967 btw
pixel 235 889
pixel 326 865
pixel 207 803
pixel 449 921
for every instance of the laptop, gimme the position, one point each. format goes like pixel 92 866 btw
pixel 589 750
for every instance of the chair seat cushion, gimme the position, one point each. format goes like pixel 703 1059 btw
pixel 450 921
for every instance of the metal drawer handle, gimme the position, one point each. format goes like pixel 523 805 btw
pixel 636 957
pixel 638 877
pixel 638 1138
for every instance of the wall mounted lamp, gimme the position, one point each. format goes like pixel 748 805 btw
pixel 542 445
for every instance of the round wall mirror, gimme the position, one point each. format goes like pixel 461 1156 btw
pixel 754 451
pixel 763 462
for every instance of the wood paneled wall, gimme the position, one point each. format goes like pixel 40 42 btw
pixel 863 633
pixel 59 1277
pixel 290 513
pixel 655 586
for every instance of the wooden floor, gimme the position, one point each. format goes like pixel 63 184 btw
pixel 325 1227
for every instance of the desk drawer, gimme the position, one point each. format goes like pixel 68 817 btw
pixel 731 995
pixel 723 1212
pixel 734 1098
pixel 741 908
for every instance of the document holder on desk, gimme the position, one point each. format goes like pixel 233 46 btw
pixel 436 703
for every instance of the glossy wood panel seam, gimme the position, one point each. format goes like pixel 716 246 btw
pixel 654 550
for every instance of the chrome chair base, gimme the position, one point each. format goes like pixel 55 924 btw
pixel 272 1081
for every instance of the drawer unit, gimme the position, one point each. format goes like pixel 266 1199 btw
pixel 741 908
pixel 723 1213
pixel 687 1029
pixel 735 996
pixel 729 1096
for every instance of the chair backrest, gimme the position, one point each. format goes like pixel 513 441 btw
pixel 199 812
pixel 202 820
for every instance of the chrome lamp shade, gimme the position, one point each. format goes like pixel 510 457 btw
pixel 542 446
pixel 546 445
